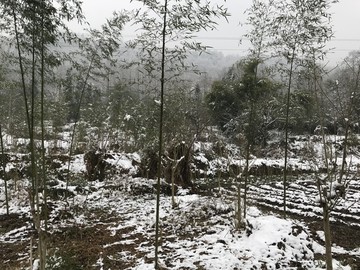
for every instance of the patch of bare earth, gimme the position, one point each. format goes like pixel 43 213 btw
pixel 76 246
pixel 12 252
pixel 88 245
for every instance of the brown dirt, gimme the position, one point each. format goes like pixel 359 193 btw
pixel 86 243
pixel 78 246
pixel 11 222
pixel 11 253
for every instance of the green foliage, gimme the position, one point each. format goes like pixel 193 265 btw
pixel 302 117
pixel 71 95
pixel 239 103
pixel 222 102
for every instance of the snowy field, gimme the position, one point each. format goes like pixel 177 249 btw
pixel 110 224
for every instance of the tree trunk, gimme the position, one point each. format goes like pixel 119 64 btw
pixel 42 249
pixel 323 194
pixel 327 232
pixel 3 161
pixel 162 85
pixel 239 220
pixel 173 203
pixel 219 183
pixel 343 163
pixel 246 179
pixel 174 165
pixel 287 129
pixel 42 234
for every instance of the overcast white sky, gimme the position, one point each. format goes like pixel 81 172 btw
pixel 346 21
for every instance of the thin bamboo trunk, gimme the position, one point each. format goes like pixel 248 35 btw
pixel 287 130
pixel 239 219
pixel 162 85
pixel 42 234
pixel 246 179
pixel 4 173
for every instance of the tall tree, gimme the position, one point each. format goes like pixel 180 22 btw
pixel 35 26
pixel 257 91
pixel 162 25
pixel 340 96
pixel 300 30
pixel 259 19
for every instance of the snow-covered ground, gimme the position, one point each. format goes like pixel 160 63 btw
pixel 199 234
pixel 110 224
